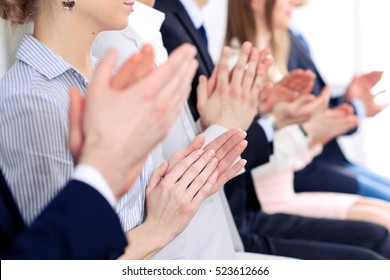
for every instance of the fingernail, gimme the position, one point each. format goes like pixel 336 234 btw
pixel 210 153
pixel 199 152
pixel 214 176
pixel 214 162
pixel 254 54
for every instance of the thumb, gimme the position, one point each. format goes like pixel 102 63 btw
pixel 325 96
pixel 103 73
pixel 157 176
pixel 202 93
pixel 265 92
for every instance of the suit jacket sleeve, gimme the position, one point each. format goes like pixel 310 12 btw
pixel 259 149
pixel 78 224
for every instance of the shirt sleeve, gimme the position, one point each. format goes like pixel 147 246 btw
pixel 268 128
pixel 34 151
pixel 360 108
pixel 89 175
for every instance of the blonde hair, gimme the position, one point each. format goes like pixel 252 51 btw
pixel 241 25
pixel 18 11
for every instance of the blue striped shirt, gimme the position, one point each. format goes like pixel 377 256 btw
pixel 34 155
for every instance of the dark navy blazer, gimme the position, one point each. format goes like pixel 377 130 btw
pixel 78 224
pixel 328 171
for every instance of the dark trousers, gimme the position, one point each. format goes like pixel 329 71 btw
pixel 310 238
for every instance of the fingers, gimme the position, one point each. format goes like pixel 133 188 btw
pixel 250 73
pixel 229 145
pixel 76 110
pixel 212 81
pixel 178 92
pixel 204 181
pixel 304 99
pixel 239 69
pixel 199 192
pixel 299 80
pixel 264 66
pixel 175 91
pixel 195 144
pixel 223 71
pixel 344 124
pixel 308 85
pixel 265 91
pixel 178 63
pixel 231 156
pixel 183 65
pixel 195 168
pixel 291 76
pixel 230 173
pixel 181 168
pixel 374 76
pixel 143 62
pixel 103 73
pixel 202 93
pixel 157 176
pixel 325 96
pixel 217 143
pixel 345 108
pixel 258 87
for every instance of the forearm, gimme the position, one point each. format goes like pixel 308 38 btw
pixel 144 242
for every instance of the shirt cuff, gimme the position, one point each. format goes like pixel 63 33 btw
pixel 89 175
pixel 268 128
pixel 360 108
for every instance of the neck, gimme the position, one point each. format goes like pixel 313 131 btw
pixel 201 3
pixel 263 34
pixel 73 42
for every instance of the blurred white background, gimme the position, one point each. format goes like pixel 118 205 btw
pixel 346 37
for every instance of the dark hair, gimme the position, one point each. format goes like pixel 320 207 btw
pixel 17 11
pixel 240 22
pixel 241 25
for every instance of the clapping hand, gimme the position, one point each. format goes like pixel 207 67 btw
pixel 331 123
pixel 146 107
pixel 361 88
pixel 230 99
pixel 292 86
pixel 301 110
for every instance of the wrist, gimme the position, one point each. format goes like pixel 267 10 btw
pixel 304 132
pixel 145 241
pixel 307 129
pixel 97 157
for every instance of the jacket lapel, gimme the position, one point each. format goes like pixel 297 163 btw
pixel 192 32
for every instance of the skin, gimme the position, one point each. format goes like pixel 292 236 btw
pixel 153 97
pixel 149 3
pixel 176 189
pixel 201 3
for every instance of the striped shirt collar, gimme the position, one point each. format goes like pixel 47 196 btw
pixel 44 60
